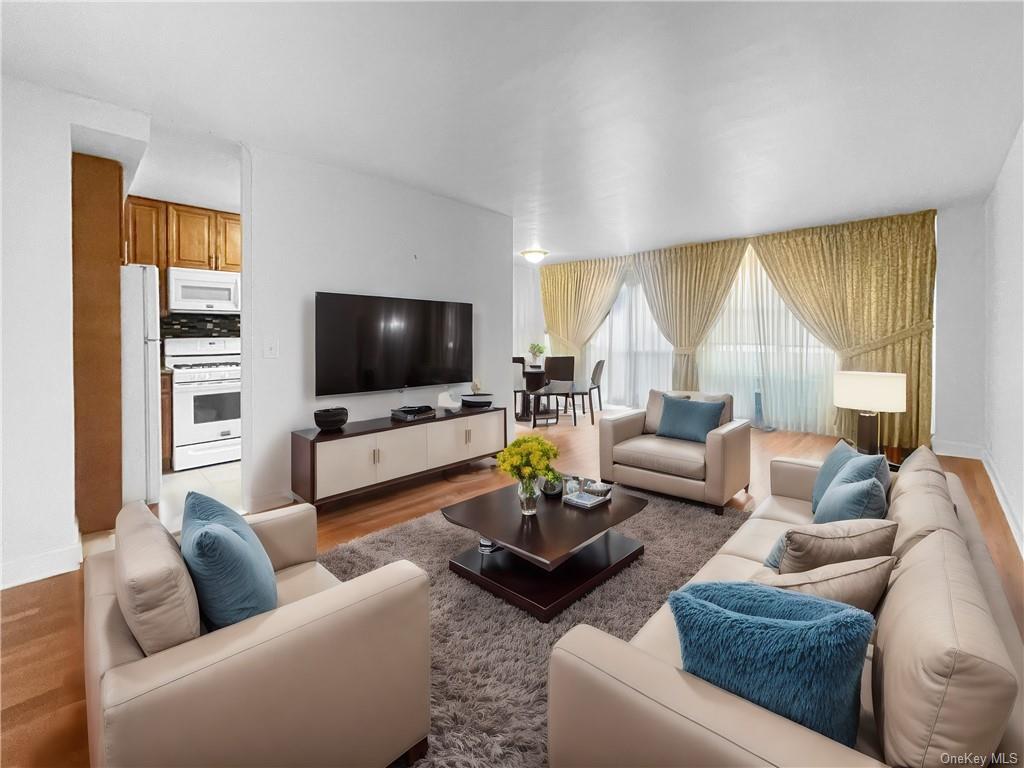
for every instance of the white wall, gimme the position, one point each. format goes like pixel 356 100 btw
pixel 1004 334
pixel 40 535
pixel 528 326
pixel 191 168
pixel 312 227
pixel 960 330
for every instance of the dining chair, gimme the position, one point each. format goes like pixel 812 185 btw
pixel 588 391
pixel 555 389
pixel 561 368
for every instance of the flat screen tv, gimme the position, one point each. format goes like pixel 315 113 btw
pixel 373 343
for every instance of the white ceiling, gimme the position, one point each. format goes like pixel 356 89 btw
pixel 601 128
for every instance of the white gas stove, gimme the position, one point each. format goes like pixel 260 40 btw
pixel 206 384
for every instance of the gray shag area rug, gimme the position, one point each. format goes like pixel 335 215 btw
pixel 490 659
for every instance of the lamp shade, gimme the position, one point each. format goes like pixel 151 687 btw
pixel 870 391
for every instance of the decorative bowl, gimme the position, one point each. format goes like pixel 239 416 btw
pixel 330 419
pixel 479 400
pixel 597 488
pixel 551 488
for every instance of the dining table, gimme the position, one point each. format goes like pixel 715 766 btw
pixel 535 378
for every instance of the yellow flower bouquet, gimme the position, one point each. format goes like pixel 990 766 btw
pixel 528 459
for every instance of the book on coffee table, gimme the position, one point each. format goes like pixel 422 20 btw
pixel 585 500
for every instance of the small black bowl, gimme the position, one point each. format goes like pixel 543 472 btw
pixel 330 419
pixel 478 400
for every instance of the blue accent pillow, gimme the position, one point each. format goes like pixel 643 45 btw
pixel 839 461
pixel 841 453
pixel 688 419
pixel 861 467
pixel 774 559
pixel 800 656
pixel 852 501
pixel 230 569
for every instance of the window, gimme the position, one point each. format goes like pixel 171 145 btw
pixel 759 351
pixel 637 357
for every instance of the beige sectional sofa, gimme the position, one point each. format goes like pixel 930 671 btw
pixel 632 453
pixel 338 674
pixel 939 683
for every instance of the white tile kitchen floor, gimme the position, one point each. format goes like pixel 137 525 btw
pixel 220 481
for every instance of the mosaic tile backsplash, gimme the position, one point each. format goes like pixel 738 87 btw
pixel 187 325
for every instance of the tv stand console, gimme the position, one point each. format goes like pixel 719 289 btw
pixel 365 455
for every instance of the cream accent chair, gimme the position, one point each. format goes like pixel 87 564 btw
pixel 338 674
pixel 713 472
pixel 941 678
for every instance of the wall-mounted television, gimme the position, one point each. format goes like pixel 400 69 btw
pixel 374 343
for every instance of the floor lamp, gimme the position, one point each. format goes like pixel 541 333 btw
pixel 870 393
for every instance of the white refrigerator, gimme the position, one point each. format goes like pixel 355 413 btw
pixel 140 383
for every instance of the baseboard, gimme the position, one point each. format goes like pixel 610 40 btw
pixel 41 566
pixel 1012 515
pixel 957 448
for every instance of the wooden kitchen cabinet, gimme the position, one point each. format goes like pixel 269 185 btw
pixel 229 242
pixel 146 231
pixel 166 421
pixel 191 237
pixel 145 227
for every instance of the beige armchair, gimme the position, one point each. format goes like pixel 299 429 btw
pixel 632 453
pixel 338 674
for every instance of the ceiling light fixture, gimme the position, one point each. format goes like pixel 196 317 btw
pixel 534 255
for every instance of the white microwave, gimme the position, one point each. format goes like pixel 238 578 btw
pixel 204 291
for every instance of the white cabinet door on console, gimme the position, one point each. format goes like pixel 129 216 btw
pixel 401 452
pixel 342 465
pixel 486 433
pixel 447 442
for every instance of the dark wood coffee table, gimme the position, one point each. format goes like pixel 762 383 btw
pixel 544 562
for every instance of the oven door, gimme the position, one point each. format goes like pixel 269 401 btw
pixel 205 411
pixel 204 291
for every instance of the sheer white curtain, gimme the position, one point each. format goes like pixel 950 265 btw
pixel 758 345
pixel 527 309
pixel 637 357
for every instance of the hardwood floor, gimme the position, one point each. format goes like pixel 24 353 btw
pixel 42 714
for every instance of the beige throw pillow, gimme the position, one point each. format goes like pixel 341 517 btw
pixel 153 585
pixel 860 583
pixel 812 546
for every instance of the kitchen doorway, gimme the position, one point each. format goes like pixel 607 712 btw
pixel 182 287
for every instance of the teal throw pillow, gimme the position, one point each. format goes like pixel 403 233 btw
pixel 230 569
pixel 852 501
pixel 801 656
pixel 688 419
pixel 774 559
pixel 841 453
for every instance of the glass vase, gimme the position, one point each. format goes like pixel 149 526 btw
pixel 528 496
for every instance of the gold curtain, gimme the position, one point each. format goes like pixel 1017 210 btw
pixel 685 286
pixel 865 288
pixel 577 296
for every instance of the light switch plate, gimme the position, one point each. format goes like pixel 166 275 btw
pixel 271 347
